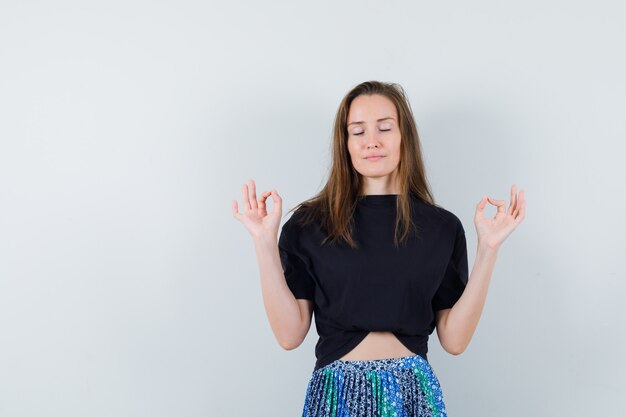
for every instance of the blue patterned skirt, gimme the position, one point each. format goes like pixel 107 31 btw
pixel 399 387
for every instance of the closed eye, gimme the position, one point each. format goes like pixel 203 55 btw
pixel 360 133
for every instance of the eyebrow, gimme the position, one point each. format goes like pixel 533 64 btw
pixel 379 120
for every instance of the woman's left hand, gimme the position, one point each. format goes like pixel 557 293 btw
pixel 493 231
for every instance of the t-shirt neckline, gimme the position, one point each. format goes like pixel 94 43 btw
pixel 378 200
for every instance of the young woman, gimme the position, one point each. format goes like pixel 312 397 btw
pixel 378 263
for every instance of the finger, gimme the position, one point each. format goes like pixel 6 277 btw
pixel 480 207
pixel 482 203
pixel 519 216
pixel 513 204
pixel 262 204
pixel 252 194
pixel 235 208
pixel 265 195
pixel 522 212
pixel 500 204
pixel 278 201
pixel 521 202
pixel 246 201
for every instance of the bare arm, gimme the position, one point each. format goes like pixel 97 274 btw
pixel 290 319
pixel 456 325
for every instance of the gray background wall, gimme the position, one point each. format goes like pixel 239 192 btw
pixel 127 127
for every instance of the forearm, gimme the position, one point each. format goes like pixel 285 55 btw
pixel 462 320
pixel 281 307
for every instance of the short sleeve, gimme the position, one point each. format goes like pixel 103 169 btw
pixel 297 276
pixel 456 275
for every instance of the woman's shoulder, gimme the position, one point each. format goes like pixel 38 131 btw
pixel 301 216
pixel 435 212
pixel 298 227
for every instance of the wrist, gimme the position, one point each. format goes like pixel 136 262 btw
pixel 263 242
pixel 487 249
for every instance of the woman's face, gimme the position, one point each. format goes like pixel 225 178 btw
pixel 374 136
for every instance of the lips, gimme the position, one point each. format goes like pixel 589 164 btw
pixel 374 156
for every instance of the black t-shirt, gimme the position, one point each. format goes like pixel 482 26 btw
pixel 376 287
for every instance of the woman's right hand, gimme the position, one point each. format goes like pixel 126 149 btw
pixel 262 225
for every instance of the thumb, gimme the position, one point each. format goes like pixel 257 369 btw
pixel 480 207
pixel 278 201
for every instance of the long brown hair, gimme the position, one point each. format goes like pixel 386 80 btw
pixel 334 205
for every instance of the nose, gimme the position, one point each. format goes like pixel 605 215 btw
pixel 372 140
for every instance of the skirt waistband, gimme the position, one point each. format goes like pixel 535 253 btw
pixel 405 362
pixel 402 387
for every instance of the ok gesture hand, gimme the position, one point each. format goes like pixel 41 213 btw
pixel 493 231
pixel 262 225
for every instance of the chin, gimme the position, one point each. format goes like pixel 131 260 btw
pixel 375 173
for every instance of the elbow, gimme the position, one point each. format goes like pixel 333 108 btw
pixel 288 344
pixel 290 339
pixel 456 350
